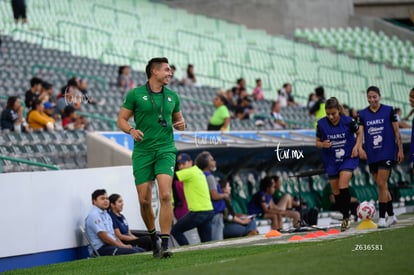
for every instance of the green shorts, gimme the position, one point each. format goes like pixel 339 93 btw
pixel 146 165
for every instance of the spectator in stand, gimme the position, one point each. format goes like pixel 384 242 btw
pixel 83 88
pixel 124 80
pixel 231 101
pixel 401 123
pixel 70 120
pixel 411 158
pixel 311 101
pixel 206 162
pixel 241 86
pixel 47 90
pixel 19 11
pixel 220 120
pixel 38 120
pixel 35 92
pixel 318 109
pixel 12 116
pixel 121 227
pixel 236 224
pixel 99 228
pixel 173 79
pixel 198 199
pixel 49 109
pixel 284 96
pixel 257 91
pixel 245 109
pixel 189 78
pixel 276 118
pixel 67 96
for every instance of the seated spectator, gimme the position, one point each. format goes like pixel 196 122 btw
pixel 257 91
pixel 83 89
pixel 401 123
pixel 49 109
pixel 236 224
pixel 285 96
pixel 121 227
pixel 189 78
pixel 173 79
pixel 231 101
pixel 12 116
pixel 67 97
pixel 220 120
pixel 99 228
pixel 199 204
pixel 329 203
pixel 206 162
pixel 70 120
pixel 38 120
pixel 262 205
pixel 277 119
pixel 285 201
pixel 180 206
pixel 124 80
pixel 35 92
pixel 47 90
pixel 311 101
pixel 245 109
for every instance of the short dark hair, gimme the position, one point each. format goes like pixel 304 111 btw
pixel 202 160
pixel 97 193
pixel 69 109
pixel 374 89
pixel 156 61
pixel 35 80
pixel 46 85
pixel 320 91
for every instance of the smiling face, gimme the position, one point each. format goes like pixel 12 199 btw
pixel 162 73
pixel 333 115
pixel 373 99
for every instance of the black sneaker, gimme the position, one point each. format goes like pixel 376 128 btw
pixel 162 253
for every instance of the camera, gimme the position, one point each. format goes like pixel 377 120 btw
pixel 162 122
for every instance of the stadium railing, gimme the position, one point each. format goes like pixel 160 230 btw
pixel 34 163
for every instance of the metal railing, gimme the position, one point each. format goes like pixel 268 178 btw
pixel 29 162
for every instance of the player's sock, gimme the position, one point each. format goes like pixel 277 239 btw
pixel 345 200
pixel 390 208
pixel 382 209
pixel 164 241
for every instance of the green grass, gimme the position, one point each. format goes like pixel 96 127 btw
pixel 325 257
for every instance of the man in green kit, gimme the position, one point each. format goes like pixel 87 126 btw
pixel 156 111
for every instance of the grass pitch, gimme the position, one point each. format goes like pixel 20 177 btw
pixel 378 252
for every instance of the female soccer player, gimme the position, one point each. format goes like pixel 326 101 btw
pixel 339 137
pixel 383 148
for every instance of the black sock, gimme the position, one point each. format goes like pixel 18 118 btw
pixel 390 208
pixel 337 199
pixel 344 202
pixel 382 209
pixel 164 241
pixel 153 235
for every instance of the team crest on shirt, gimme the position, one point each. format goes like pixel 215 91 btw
pixel 98 221
pixel 169 99
pixel 145 97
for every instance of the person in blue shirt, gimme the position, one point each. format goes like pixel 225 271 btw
pixel 121 227
pixel 339 137
pixel 382 149
pixel 98 227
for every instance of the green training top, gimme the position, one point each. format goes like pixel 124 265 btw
pixel 146 117
pixel 196 190
pixel 219 115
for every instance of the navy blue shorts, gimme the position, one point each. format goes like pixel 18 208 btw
pixel 348 164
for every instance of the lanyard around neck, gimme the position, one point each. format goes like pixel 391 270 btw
pixel 161 114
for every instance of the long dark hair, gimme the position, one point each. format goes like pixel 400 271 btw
pixel 333 102
pixel 10 102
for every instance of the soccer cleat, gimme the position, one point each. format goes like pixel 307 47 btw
pixel 346 224
pixel 382 223
pixel 391 220
pixel 156 248
pixel 162 253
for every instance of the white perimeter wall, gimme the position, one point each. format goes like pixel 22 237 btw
pixel 42 211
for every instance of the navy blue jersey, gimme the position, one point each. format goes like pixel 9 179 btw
pixel 341 136
pixel 379 137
